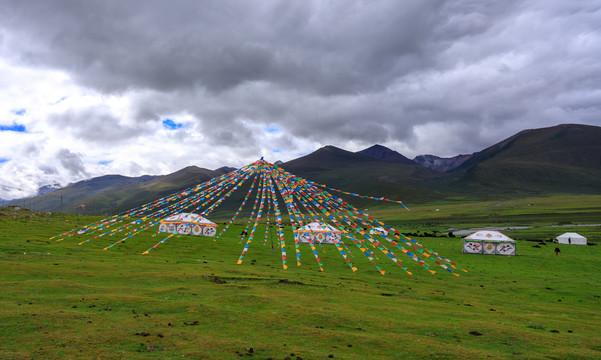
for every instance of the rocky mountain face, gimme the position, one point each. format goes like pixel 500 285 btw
pixel 439 163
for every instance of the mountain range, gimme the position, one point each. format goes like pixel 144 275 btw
pixel 559 159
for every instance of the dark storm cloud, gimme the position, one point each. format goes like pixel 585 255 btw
pixel 321 47
pixel 332 72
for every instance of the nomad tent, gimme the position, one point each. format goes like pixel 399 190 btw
pixel 571 238
pixel 186 223
pixel 489 242
pixel 318 233
pixel 378 231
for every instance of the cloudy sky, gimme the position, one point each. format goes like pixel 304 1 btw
pixel 89 88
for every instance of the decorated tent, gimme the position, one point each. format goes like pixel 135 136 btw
pixel 187 223
pixel 317 233
pixel 571 238
pixel 378 231
pixel 275 196
pixel 489 242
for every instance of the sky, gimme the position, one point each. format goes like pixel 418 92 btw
pixel 89 88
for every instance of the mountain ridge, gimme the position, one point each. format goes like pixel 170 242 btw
pixel 117 192
pixel 560 159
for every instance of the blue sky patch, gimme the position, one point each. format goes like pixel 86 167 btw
pixel 171 125
pixel 3 160
pixel 273 129
pixel 276 150
pixel 19 112
pixel 14 127
pixel 105 162
pixel 59 100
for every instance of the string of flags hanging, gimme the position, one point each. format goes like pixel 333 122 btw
pixel 317 217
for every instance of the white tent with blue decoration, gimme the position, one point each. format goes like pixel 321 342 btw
pixel 318 233
pixel 188 223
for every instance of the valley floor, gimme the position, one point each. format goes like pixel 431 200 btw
pixel 188 298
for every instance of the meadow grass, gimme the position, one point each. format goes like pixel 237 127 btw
pixel 188 298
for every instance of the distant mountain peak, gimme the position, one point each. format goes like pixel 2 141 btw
pixel 225 170
pixel 383 153
pixel 330 148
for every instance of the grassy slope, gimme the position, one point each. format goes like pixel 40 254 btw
pixel 563 158
pixel 117 193
pixel 91 192
pixel 61 300
pixel 559 209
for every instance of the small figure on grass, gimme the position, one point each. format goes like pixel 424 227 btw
pixel 557 251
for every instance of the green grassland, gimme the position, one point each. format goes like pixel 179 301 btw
pixel 188 299
pixel 557 209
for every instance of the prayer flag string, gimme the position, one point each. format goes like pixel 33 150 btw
pixel 317 215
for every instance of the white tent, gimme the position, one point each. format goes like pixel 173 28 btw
pixel 316 232
pixel 378 231
pixel 187 223
pixel 489 242
pixel 571 238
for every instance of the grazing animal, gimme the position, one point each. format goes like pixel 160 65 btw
pixel 557 251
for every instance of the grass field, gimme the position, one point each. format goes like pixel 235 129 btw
pixel 188 298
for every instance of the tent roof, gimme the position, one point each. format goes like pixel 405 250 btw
pixel 317 227
pixel 188 218
pixel 571 235
pixel 489 235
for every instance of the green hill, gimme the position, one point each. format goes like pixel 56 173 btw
pixel 559 159
pixel 355 172
pixel 115 193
